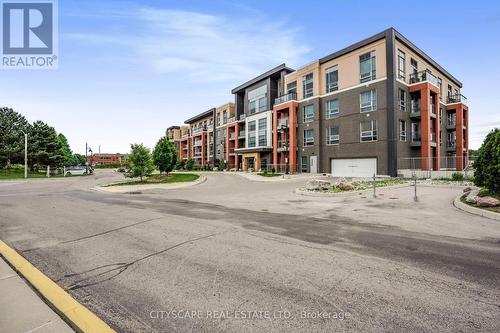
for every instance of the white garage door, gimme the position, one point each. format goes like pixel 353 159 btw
pixel 354 167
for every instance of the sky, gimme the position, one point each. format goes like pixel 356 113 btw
pixel 130 69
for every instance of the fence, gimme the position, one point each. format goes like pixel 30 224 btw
pixel 433 167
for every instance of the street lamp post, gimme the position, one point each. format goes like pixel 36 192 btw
pixel 25 154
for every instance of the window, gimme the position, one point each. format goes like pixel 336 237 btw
pixel 251 134
pixel 307 83
pixel 368 130
pixel 257 100
pixel 402 131
pixel 414 66
pixel 332 109
pixel 332 135
pixel 303 164
pixel 449 91
pixel 415 132
pixel 367 70
pixel 262 132
pixel 291 88
pixel 401 65
pixel 308 137
pixel 224 116
pixel 368 101
pixel 402 100
pixel 440 85
pixel 332 79
pixel 308 113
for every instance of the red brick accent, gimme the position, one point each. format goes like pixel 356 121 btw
pixel 284 109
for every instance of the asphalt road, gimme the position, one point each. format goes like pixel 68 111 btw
pixel 234 255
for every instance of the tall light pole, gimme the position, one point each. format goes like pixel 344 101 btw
pixel 25 154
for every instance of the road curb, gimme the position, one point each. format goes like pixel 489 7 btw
pixel 473 210
pixel 75 314
pixel 134 188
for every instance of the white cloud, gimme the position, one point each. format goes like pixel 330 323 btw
pixel 203 46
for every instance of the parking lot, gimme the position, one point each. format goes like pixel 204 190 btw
pixel 238 255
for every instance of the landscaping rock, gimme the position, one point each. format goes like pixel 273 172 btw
pixel 472 197
pixel 467 189
pixel 487 202
pixel 317 184
pixel 345 186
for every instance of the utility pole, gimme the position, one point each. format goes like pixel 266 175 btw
pixel 25 155
pixel 86 160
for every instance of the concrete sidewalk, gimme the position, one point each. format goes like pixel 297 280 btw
pixel 21 309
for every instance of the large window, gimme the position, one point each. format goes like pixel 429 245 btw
pixel 291 88
pixel 402 131
pixel 308 137
pixel 401 65
pixel 440 85
pixel 308 113
pixel 332 79
pixel 251 133
pixel 257 100
pixel 368 130
pixel 414 66
pixel 367 70
pixel 332 135
pixel 402 100
pixel 368 101
pixel 307 85
pixel 332 109
pixel 262 132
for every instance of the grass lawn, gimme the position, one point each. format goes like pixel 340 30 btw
pixel 365 185
pixel 162 179
pixel 269 174
pixel 491 209
pixel 4 175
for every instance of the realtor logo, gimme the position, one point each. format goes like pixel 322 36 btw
pixel 29 34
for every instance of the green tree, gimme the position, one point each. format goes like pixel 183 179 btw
pixel 189 164
pixel 165 155
pixel 487 163
pixel 65 150
pixel 44 148
pixel 12 126
pixel 78 159
pixel 140 161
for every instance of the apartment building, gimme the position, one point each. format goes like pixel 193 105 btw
pixel 184 143
pixel 254 108
pixel 105 158
pixel 379 106
pixel 173 133
pixel 374 107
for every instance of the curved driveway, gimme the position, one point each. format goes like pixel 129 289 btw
pixel 232 248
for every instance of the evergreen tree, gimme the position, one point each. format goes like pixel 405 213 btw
pixel 165 155
pixel 65 150
pixel 44 148
pixel 12 126
pixel 78 159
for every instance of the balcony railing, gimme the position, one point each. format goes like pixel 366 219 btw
pixel 451 144
pixel 285 98
pixel 185 136
pixel 242 116
pixel 416 137
pixel 241 134
pixel 415 106
pixel 283 123
pixel 423 76
pixel 230 120
pixel 451 123
pixel 284 144
pixel 199 129
pixel 433 136
pixel 457 98
pixel 232 136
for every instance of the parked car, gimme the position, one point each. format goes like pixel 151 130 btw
pixel 76 171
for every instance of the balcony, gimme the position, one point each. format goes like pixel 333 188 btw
pixel 432 109
pixel 416 139
pixel 199 129
pixel 230 120
pixel 232 136
pixel 285 98
pixel 242 117
pixel 241 134
pixel 433 139
pixel 283 123
pixel 185 136
pixel 457 98
pixel 451 146
pixel 451 123
pixel 197 144
pixel 283 145
pixel 423 76
pixel 415 109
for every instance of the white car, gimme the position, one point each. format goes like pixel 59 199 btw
pixel 75 171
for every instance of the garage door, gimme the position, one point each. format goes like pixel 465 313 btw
pixel 354 167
